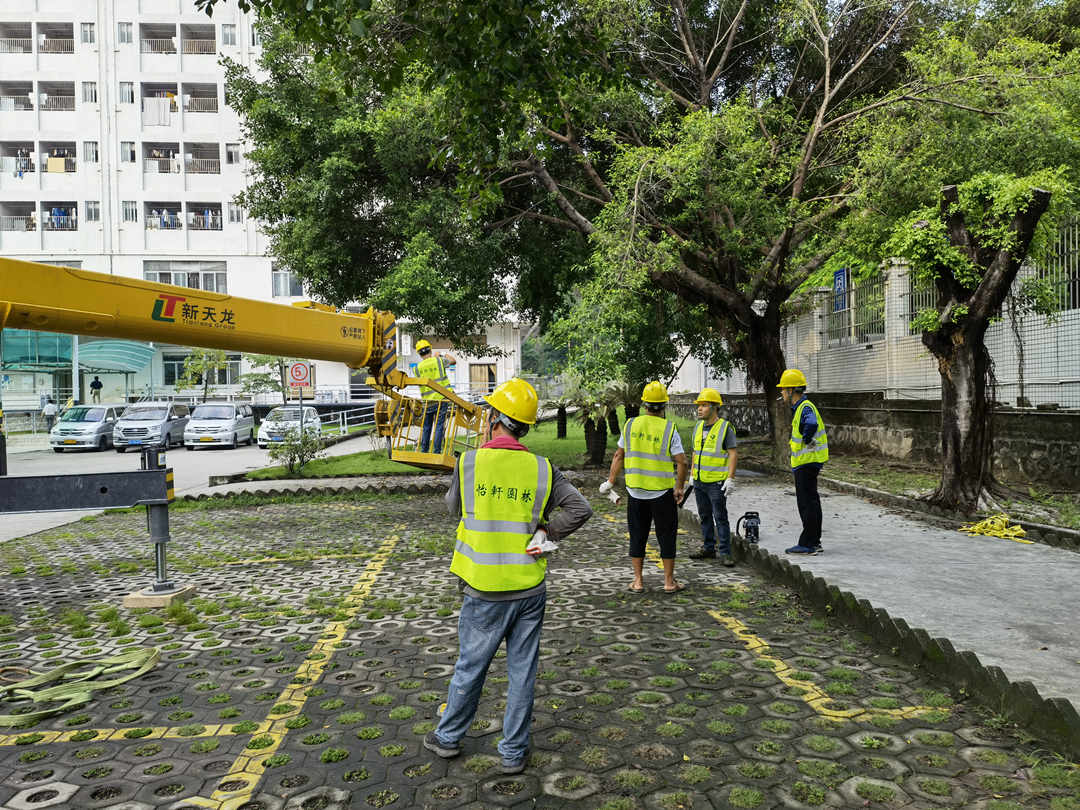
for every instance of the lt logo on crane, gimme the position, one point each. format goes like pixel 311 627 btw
pixel 165 307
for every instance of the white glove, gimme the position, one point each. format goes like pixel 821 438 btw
pixel 729 487
pixel 540 545
pixel 605 488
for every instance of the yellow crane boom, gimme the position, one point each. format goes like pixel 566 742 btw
pixel 48 298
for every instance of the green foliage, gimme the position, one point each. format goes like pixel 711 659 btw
pixel 201 368
pixel 267 375
pixel 296 449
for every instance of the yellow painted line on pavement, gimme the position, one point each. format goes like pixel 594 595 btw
pixel 248 767
pixel 263 560
pixel 122 734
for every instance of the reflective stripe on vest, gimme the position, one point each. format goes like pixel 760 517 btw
pixel 503 496
pixel 801 453
pixel 435 370
pixel 711 460
pixel 647 451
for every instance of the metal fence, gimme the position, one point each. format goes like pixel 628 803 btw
pixel 15 103
pixel 201 104
pixel 204 166
pixel 158 46
pixel 16 45
pixel 52 45
pixel 61 103
pixel 856 315
pixel 200 46
pixel 17 223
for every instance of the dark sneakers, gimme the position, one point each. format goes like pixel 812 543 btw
pixel 727 560
pixel 703 554
pixel 807 550
pixel 432 743
pixel 517 766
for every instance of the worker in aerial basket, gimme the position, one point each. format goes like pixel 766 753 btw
pixel 809 451
pixel 504 496
pixel 712 470
pixel 437 408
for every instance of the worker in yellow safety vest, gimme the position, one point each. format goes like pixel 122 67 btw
pixel 505 497
pixel 651 451
pixel 437 408
pixel 712 471
pixel 809 451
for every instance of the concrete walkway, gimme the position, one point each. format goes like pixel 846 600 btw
pixel 1014 605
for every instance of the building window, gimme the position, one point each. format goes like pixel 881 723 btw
pixel 209 276
pixel 90 151
pixel 256 39
pixel 287 284
pixel 127 151
pixel 174 369
pixel 131 210
pixel 89 92
pixel 87 36
pixel 236 214
pixel 232 153
pixel 228 34
pixel 93 211
pixel 127 92
pixel 123 33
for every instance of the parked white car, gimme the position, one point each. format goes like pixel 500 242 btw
pixel 85 426
pixel 157 424
pixel 281 420
pixel 219 423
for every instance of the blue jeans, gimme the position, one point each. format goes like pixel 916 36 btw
pixel 712 512
pixel 434 415
pixel 482 627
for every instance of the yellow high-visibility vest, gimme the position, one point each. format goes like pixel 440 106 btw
pixel 647 447
pixel 710 459
pixel 434 369
pixel 800 453
pixel 503 497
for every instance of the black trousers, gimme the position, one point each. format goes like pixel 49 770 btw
pixel 806 494
pixel 641 514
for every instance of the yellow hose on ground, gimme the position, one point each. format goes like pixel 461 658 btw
pixel 996 526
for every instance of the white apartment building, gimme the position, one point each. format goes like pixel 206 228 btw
pixel 118 154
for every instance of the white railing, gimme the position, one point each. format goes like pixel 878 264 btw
pixel 204 166
pixel 15 103
pixel 161 166
pixel 16 45
pixel 15 165
pixel 200 46
pixel 164 221
pixel 202 222
pixel 201 105
pixel 18 223
pixel 51 45
pixel 52 223
pixel 345 421
pixel 157 45
pixel 61 103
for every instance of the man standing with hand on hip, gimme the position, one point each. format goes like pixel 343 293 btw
pixel 713 458
pixel 504 496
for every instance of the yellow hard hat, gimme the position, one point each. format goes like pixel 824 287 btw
pixel 655 392
pixel 515 398
pixel 422 344
pixel 708 395
pixel 792 378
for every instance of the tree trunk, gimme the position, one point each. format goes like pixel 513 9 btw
pixel 284 388
pixel 560 422
pixel 613 422
pixel 966 420
pixel 590 429
pixel 768 365
pixel 632 410
pixel 598 448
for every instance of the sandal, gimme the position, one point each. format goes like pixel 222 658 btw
pixel 638 589
pixel 678 587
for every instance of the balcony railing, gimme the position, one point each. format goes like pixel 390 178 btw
pixel 157 46
pixel 10 164
pixel 17 223
pixel 15 103
pixel 16 45
pixel 202 222
pixel 61 103
pixel 164 221
pixel 61 224
pixel 161 166
pixel 201 105
pixel 154 102
pixel 51 45
pixel 204 166
pixel 200 46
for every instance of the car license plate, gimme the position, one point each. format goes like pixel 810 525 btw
pixel 134 441
pixel 275 438
pixel 70 441
pixel 206 438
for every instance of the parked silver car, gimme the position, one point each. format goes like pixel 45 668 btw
pixel 150 423
pixel 86 426
pixel 284 418
pixel 219 423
